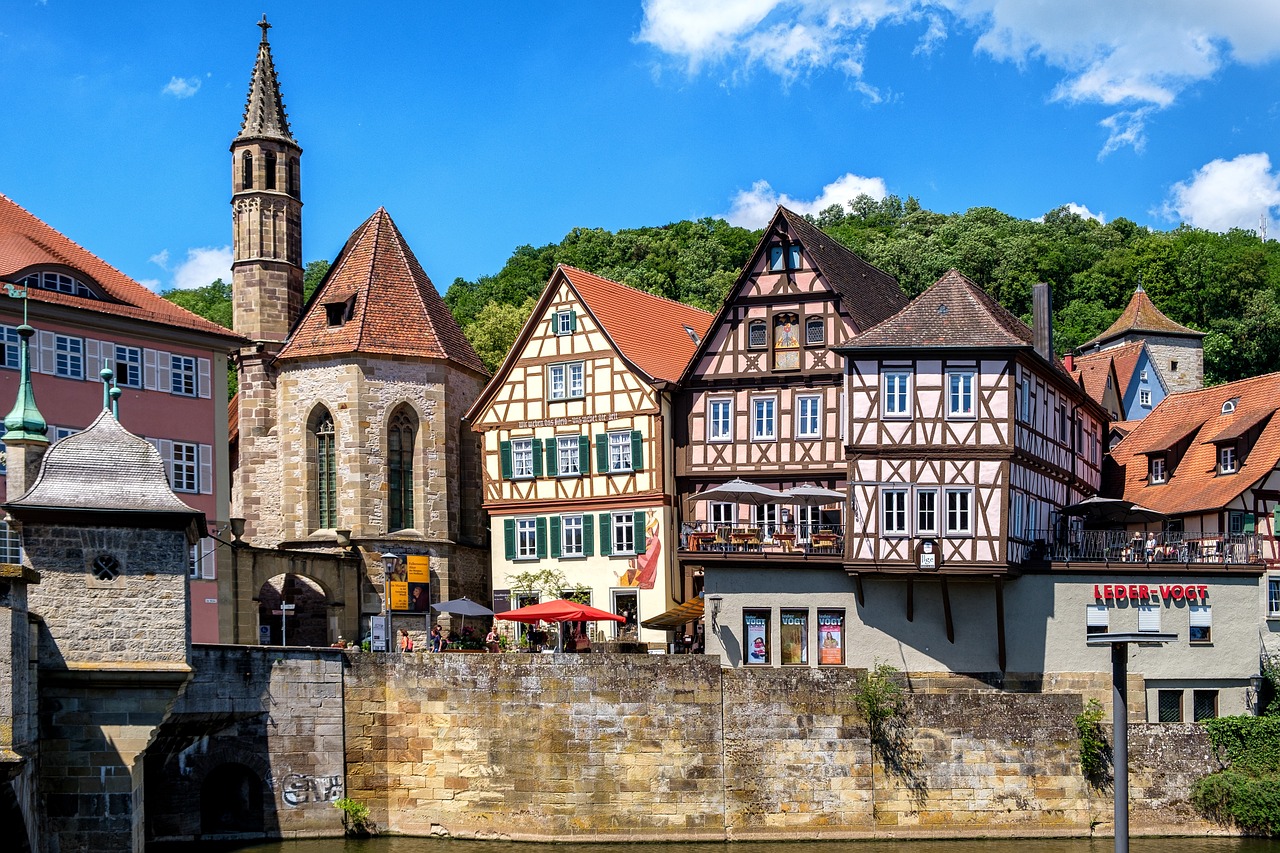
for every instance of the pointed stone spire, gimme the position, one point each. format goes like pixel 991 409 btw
pixel 264 113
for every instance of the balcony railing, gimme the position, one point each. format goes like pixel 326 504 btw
pixel 1127 546
pixel 788 538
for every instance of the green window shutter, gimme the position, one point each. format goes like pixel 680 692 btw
pixel 1275 521
pixel 540 527
pixel 505 452
pixel 637 451
pixel 606 535
pixel 555 536
pixel 1250 523
pixel 537 458
pixel 588 534
pixel 509 537
pixel 553 462
pixel 602 453
pixel 639 533
pixel 584 455
pixel 573 320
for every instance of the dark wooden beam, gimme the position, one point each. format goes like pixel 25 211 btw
pixel 1000 647
pixel 946 611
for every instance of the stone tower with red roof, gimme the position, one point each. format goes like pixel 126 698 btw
pixel 348 421
pixel 1177 352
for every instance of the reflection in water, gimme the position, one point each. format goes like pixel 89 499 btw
pixel 1097 845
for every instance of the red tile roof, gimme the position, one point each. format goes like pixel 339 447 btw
pixel 952 312
pixel 648 330
pixel 1142 315
pixel 28 244
pixel 395 309
pixel 1194 485
pixel 1126 357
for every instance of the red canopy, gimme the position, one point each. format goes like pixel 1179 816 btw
pixel 559 610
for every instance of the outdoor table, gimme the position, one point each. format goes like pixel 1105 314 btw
pixel 824 541
pixel 745 539
pixel 701 541
pixel 786 540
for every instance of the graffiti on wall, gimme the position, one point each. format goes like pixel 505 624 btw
pixel 298 790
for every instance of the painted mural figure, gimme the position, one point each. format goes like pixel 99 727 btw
pixel 643 568
pixel 786 342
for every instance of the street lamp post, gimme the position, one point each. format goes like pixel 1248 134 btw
pixel 390 562
pixel 1119 644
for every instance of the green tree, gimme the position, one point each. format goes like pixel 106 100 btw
pixel 212 302
pixel 312 275
pixel 495 329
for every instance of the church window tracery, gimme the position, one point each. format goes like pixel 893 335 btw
pixel 326 489
pixel 401 434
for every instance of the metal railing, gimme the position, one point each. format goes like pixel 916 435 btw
pixel 789 537
pixel 1128 546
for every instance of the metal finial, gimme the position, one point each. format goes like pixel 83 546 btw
pixel 265 26
pixel 115 393
pixel 106 375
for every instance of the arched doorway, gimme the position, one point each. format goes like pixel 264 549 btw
pixel 231 801
pixel 295 610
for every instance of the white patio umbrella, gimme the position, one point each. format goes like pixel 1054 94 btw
pixel 739 491
pixel 811 495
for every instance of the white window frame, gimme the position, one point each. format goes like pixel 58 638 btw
pixel 926 496
pixel 128 361
pixel 1159 472
pixel 620 452
pixel 526 538
pixel 958 507
pixel 577 380
pixel 183 369
pixel 569 455
pixel 1228 459
pixel 765 517
pixel 1200 616
pixel 818 323
pixel 722 514
pixel 184 469
pixel 10 544
pixel 1142 375
pixel 809 424
pixel 720 419
pixel 564 321
pixel 956 394
pixel 763 328
pixel 760 420
pixel 623 532
pixel 896 395
pixel 1273 597
pixel 68 359
pixel 522 452
pixel 571 536
pixel 1144 398
pixel 12 347
pixel 557 382
pixel 1097 616
pixel 893 512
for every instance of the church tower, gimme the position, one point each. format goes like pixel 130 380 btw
pixel 266 201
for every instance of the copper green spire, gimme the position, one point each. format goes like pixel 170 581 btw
pixel 25 421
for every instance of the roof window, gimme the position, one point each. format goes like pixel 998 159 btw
pixel 693 336
pixel 1230 406
pixel 59 282
pixel 338 313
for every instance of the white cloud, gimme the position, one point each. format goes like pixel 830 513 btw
pixel 1081 210
pixel 1140 54
pixel 182 87
pixel 150 283
pixel 160 259
pixel 754 208
pixel 201 267
pixel 1225 194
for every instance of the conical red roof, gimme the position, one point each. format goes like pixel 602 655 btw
pixel 1142 316
pixel 377 300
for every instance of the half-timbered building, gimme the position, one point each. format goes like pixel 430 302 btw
pixel 762 400
pixel 577 447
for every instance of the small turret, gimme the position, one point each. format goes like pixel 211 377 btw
pixel 25 436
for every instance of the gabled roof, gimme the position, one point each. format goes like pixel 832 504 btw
pixel 264 114
pixel 27 243
pixel 104 470
pixel 1092 376
pixel 1126 358
pixel 394 308
pixel 867 293
pixel 1194 485
pixel 1142 316
pixel 952 312
pixel 647 331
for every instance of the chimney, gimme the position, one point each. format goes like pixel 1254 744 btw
pixel 1069 360
pixel 1042 320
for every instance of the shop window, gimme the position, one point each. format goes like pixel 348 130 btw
pixel 831 638
pixel 1200 617
pixel 794 635
pixel 1204 705
pixel 755 637
pixel 1097 619
pixel 1169 704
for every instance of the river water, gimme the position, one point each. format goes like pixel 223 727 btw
pixel 1098 845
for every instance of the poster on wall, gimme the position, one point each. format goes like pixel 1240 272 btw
pixel 756 636
pixel 409 586
pixel 795 637
pixel 831 637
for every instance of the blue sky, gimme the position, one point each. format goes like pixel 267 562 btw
pixel 483 127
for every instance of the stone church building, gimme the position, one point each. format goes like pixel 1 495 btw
pixel 347 433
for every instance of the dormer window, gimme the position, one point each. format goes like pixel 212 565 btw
pixel 1158 474
pixel 338 313
pixel 59 282
pixel 693 336
pixel 1230 406
pixel 1227 461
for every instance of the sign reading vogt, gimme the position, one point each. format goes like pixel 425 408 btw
pixel 1146 592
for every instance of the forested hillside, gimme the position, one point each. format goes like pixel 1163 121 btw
pixel 1225 284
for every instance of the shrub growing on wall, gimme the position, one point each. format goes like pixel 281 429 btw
pixel 1246 793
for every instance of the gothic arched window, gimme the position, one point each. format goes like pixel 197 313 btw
pixel 326 494
pixel 246 171
pixel 269 170
pixel 401 432
pixel 291 178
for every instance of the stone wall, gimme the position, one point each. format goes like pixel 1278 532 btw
pixel 657 747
